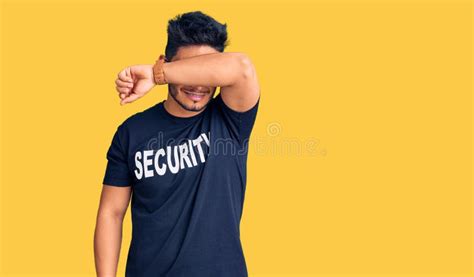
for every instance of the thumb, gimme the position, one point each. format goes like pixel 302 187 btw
pixel 130 98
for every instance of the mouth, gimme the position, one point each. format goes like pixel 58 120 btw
pixel 194 95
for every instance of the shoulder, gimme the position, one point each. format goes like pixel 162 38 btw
pixel 140 119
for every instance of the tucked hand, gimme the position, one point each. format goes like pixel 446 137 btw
pixel 134 82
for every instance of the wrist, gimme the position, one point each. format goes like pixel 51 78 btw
pixel 159 77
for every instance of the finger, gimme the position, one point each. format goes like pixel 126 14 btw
pixel 128 72
pixel 121 83
pixel 129 99
pixel 122 95
pixel 125 75
pixel 122 90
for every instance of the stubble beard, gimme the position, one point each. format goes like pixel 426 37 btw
pixel 173 94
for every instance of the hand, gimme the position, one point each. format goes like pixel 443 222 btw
pixel 134 82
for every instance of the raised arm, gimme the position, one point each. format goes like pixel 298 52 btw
pixel 232 71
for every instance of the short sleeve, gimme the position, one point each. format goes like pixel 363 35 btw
pixel 242 122
pixel 117 172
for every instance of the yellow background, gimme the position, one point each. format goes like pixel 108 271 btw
pixel 384 88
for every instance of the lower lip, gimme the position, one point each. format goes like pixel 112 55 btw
pixel 194 97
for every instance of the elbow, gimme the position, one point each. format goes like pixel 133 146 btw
pixel 112 214
pixel 247 68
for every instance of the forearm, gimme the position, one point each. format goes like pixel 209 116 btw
pixel 107 243
pixel 214 70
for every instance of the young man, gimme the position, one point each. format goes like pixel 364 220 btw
pixel 184 159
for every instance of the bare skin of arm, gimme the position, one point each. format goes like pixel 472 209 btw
pixel 232 71
pixel 108 231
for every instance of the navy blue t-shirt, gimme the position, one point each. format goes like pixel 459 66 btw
pixel 188 179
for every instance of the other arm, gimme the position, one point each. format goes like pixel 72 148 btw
pixel 108 232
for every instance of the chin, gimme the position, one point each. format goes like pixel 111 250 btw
pixel 194 105
pixel 192 100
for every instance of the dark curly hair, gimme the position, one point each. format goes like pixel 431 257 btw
pixel 195 28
